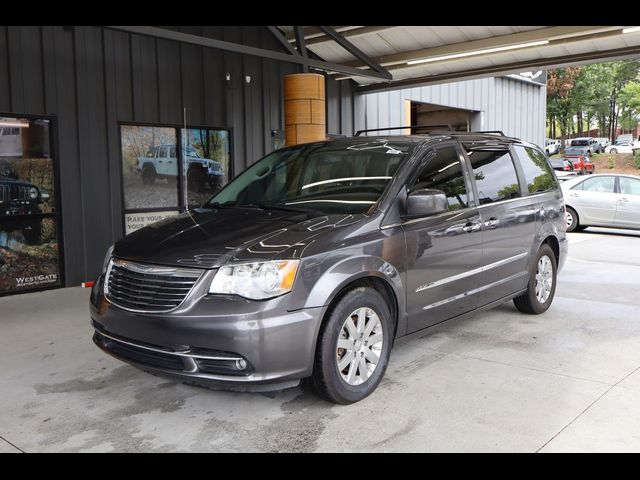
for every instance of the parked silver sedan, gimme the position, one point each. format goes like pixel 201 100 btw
pixel 604 200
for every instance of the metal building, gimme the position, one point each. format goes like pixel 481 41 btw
pixel 514 104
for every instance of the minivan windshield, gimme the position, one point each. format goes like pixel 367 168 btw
pixel 336 177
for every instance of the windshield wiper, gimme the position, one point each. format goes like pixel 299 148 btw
pixel 286 208
pixel 219 205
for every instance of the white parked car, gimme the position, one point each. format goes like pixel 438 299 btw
pixel 620 148
pixel 604 143
pixel 551 146
pixel 602 200
pixel 564 176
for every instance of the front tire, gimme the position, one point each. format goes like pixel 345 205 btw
pixel 542 284
pixel 613 150
pixel 32 233
pixel 196 180
pixel 353 347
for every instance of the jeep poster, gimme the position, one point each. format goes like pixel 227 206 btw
pixel 29 249
pixel 168 169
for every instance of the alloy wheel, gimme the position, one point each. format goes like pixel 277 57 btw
pixel 544 279
pixel 359 346
pixel 569 219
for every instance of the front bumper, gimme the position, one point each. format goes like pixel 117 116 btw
pixel 205 339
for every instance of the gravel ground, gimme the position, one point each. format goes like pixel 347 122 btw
pixel 621 163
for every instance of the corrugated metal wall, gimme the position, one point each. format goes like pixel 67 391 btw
pixel 515 107
pixel 92 78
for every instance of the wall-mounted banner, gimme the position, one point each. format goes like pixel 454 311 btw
pixel 136 221
pixel 29 243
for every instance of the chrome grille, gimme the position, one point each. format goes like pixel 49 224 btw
pixel 23 193
pixel 14 192
pixel 148 288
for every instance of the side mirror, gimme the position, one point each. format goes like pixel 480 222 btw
pixel 425 202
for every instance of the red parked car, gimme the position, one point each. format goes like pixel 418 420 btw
pixel 582 164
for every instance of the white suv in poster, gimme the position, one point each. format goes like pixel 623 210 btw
pixel 161 161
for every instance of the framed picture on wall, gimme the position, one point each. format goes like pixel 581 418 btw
pixel 30 244
pixel 167 169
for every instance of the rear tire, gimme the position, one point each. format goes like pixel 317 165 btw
pixel 542 283
pixel 613 150
pixel 572 219
pixel 148 175
pixel 367 342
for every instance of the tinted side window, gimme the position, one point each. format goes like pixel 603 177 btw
pixel 599 184
pixel 495 175
pixel 629 186
pixel 537 171
pixel 443 171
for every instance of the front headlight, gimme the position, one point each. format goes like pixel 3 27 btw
pixel 256 281
pixel 33 193
pixel 107 257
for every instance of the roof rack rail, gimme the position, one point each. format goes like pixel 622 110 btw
pixel 497 132
pixel 436 126
pixel 480 132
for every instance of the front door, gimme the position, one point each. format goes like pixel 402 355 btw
pixel 443 250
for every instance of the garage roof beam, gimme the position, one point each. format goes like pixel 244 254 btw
pixel 191 39
pixel 355 51
pixel 285 44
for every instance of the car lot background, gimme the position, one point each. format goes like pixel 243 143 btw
pixel 608 163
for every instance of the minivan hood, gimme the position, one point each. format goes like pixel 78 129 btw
pixel 209 238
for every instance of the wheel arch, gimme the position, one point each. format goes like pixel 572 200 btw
pixel 577 211
pixel 148 165
pixel 553 242
pixel 377 283
pixel 347 273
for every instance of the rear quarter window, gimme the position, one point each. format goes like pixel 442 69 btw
pixel 537 171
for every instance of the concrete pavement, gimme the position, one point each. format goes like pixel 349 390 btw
pixel 568 380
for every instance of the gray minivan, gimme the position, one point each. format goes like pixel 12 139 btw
pixel 313 260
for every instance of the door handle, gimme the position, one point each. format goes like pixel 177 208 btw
pixel 624 199
pixel 491 223
pixel 471 227
pixel 573 194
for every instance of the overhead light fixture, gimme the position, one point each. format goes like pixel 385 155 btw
pixel 631 29
pixel 14 124
pixel 479 52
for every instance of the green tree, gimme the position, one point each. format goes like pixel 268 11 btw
pixel 606 92
pixel 630 105
pixel 560 83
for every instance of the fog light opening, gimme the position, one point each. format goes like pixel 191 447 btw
pixel 241 364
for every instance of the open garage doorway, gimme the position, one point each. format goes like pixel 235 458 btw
pixel 458 119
